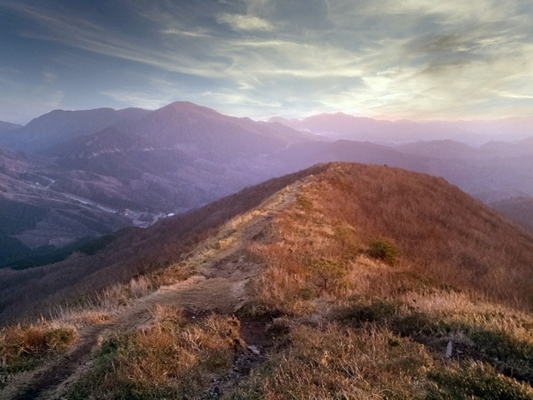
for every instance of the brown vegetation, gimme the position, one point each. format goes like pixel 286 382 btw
pixel 23 348
pixel 432 232
pixel 174 358
pixel 376 283
pixel 132 252
pixel 399 259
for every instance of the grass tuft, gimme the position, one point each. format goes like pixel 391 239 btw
pixel 173 359
pixel 23 347
pixel 383 250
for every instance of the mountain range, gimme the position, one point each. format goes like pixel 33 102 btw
pixel 79 174
pixel 349 127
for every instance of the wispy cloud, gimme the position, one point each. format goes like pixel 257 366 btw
pixel 90 36
pixel 414 58
pixel 240 22
pixel 172 31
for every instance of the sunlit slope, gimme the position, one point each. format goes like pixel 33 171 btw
pixel 344 281
pixel 438 232
pixel 125 254
pixel 384 283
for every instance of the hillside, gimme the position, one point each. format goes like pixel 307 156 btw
pixel 35 219
pixel 127 253
pixel 518 209
pixel 8 126
pixel 91 172
pixel 341 281
pixel 56 126
pixel 186 154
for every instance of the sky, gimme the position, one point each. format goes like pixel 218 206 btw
pixel 388 59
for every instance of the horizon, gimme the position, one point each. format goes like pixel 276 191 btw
pixel 301 118
pixel 384 60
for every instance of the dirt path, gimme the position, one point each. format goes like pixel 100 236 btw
pixel 221 288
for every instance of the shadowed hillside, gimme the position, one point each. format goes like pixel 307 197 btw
pixel 341 281
pixel 59 125
pixel 518 209
pixel 127 253
pixel 7 126
pixel 95 171
pixel 91 172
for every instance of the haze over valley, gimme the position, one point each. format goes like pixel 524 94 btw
pixel 69 175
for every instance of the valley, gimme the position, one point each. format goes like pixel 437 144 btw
pixel 93 172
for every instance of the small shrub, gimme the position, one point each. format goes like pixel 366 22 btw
pixel 329 275
pixel 383 250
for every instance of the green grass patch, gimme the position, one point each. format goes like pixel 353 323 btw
pixel 383 250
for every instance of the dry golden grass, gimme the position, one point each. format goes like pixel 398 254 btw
pixel 338 363
pixel 82 317
pixel 444 239
pixel 457 271
pixel 333 362
pixel 374 271
pixel 23 347
pixel 439 231
pixel 172 359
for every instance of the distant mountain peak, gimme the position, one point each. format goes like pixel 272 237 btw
pixel 8 126
pixel 187 107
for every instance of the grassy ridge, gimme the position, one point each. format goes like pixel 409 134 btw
pixel 377 283
pixel 394 265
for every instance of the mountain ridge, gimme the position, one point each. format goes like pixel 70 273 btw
pixel 144 165
pixel 8 126
pixel 299 279
pixel 55 126
pixel 344 126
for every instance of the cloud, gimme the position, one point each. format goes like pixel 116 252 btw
pixel 310 14
pixel 245 22
pixel 172 31
pixel 49 77
pixel 514 95
pixel 90 36
pixel 377 57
